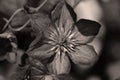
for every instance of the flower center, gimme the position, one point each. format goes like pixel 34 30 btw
pixel 62 41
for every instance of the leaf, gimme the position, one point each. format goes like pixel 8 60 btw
pixel 88 27
pixel 66 19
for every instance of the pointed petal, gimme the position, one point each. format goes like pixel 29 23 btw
pixel 44 52
pixel 60 64
pixel 67 17
pixel 83 56
pixel 55 14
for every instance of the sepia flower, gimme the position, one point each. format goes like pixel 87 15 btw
pixel 61 41
pixel 65 42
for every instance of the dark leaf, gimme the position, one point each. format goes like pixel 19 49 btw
pixel 88 27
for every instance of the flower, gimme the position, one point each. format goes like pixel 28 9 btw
pixel 61 44
pixel 65 42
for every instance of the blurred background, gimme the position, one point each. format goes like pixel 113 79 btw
pixel 106 44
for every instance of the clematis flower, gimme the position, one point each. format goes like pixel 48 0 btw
pixel 65 42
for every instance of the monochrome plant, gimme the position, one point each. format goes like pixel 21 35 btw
pixel 61 41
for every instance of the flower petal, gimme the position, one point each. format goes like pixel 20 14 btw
pixel 67 17
pixel 44 52
pixel 83 56
pixel 55 14
pixel 60 64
